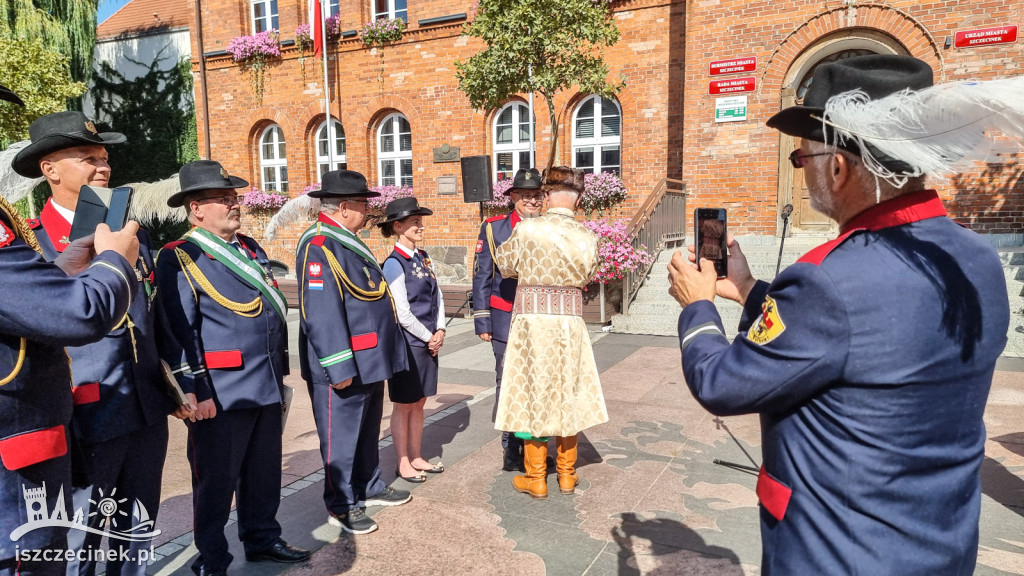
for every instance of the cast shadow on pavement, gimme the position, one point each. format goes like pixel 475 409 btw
pixel 672 546
pixel 1002 485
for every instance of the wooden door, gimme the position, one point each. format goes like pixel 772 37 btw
pixel 805 218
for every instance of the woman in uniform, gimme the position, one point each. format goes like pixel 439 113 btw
pixel 420 310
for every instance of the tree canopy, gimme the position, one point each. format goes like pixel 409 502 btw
pixel 40 77
pixel 562 40
pixel 67 27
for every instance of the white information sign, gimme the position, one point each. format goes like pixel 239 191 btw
pixel 731 109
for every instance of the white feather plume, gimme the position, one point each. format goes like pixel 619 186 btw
pixel 938 131
pixel 14 186
pixel 150 201
pixel 298 209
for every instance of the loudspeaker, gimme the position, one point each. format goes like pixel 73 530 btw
pixel 476 179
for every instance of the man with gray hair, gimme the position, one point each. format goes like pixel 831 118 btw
pixel 870 359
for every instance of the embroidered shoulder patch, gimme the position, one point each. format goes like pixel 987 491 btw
pixel 315 269
pixel 479 246
pixel 6 235
pixel 769 326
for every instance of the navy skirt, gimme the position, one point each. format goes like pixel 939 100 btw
pixel 419 381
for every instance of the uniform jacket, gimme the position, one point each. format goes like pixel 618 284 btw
pixel 417 291
pixel 43 311
pixel 117 387
pixel 238 358
pixel 870 362
pixel 348 327
pixel 493 295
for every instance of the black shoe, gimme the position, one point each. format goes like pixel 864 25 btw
pixel 281 551
pixel 354 521
pixel 389 497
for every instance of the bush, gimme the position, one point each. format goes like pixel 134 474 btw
pixel 616 254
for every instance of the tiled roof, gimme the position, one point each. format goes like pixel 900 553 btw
pixel 145 16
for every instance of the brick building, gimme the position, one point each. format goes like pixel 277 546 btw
pixel 662 125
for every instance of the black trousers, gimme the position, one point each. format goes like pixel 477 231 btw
pixel 499 364
pixel 348 422
pixel 236 453
pixel 126 469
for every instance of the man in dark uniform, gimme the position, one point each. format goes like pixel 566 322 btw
pixel 119 428
pixel 869 360
pixel 45 308
pixel 493 295
pixel 223 306
pixel 350 342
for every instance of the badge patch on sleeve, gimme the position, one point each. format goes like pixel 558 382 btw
pixel 315 269
pixel 479 246
pixel 316 284
pixel 770 326
pixel 6 236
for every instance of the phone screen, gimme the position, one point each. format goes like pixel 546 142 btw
pixel 711 238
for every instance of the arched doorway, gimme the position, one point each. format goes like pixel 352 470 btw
pixel 792 189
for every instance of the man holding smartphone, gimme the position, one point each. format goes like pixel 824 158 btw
pixel 869 360
pixel 119 429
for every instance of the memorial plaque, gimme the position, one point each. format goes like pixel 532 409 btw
pixel 447 185
pixel 446 153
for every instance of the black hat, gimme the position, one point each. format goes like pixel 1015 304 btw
pixel 203 175
pixel 9 95
pixel 402 208
pixel 877 75
pixel 55 132
pixel 526 179
pixel 343 184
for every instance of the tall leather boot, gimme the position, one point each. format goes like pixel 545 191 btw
pixel 535 482
pixel 566 464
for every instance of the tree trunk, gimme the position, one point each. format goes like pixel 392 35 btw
pixel 549 98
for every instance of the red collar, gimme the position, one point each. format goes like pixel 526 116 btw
pixel 514 218
pixel 912 207
pixel 904 209
pixel 408 254
pixel 325 219
pixel 55 225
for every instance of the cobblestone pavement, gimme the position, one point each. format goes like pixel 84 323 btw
pixel 650 500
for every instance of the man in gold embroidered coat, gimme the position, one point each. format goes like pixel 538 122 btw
pixel 550 385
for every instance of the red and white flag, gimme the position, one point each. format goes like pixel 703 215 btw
pixel 316 26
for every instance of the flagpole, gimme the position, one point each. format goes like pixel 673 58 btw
pixel 327 95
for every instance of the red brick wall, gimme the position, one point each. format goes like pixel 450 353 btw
pixel 420 83
pixel 737 164
pixel 668 126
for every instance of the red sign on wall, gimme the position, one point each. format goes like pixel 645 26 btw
pixel 732 66
pixel 986 36
pixel 731 86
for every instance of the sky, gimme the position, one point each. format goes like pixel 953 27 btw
pixel 108 7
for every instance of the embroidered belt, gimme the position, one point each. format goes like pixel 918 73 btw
pixel 562 300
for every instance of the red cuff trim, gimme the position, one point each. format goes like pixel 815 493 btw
pixel 31 448
pixel 364 341
pixel 501 304
pixel 86 393
pixel 774 495
pixel 223 359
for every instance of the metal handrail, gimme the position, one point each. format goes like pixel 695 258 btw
pixel 659 223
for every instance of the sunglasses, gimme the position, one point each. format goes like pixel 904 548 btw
pixel 799 161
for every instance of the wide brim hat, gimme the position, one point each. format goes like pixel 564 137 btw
pixel 58 131
pixel 9 95
pixel 563 178
pixel 525 179
pixel 203 175
pixel 877 75
pixel 343 184
pixel 402 208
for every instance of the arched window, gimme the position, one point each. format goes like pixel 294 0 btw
pixel 394 151
pixel 390 9
pixel 264 15
pixel 273 159
pixel 597 136
pixel 336 160
pixel 512 138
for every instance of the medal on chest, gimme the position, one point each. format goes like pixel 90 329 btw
pixel 369 280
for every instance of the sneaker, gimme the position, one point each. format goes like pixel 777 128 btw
pixel 389 497
pixel 354 521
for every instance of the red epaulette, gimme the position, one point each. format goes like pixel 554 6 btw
pixel 173 245
pixel 496 218
pixel 318 241
pixel 33 223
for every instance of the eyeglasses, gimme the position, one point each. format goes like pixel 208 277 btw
pixel 533 198
pixel 799 161
pixel 227 199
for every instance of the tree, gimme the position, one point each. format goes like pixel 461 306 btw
pixel 561 40
pixel 41 77
pixel 67 27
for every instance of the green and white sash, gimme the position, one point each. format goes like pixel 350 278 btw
pixel 342 236
pixel 250 271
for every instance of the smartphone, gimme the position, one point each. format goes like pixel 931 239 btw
pixel 710 234
pixel 96 205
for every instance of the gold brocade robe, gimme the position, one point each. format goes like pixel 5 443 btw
pixel 549 385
